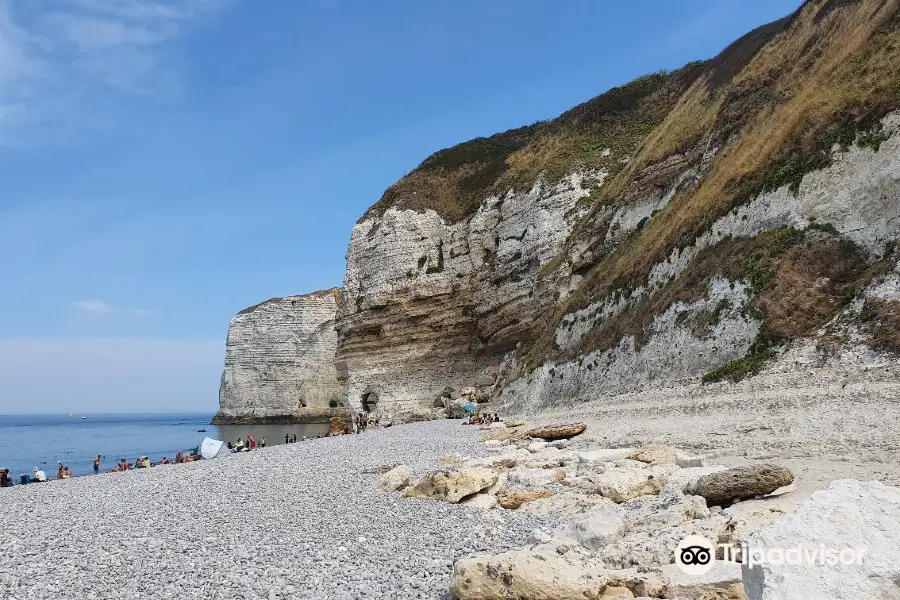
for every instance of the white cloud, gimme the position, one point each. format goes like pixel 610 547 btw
pixel 100 307
pixel 66 61
pixel 95 307
pixel 110 375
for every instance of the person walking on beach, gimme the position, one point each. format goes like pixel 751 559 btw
pixel 97 464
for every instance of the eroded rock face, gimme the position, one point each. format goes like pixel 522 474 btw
pixel 279 361
pixel 429 304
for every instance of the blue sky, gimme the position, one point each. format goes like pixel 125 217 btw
pixel 166 163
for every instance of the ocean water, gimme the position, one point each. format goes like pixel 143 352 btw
pixel 42 440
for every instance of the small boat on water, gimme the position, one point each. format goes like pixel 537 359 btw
pixel 201 431
pixel 84 417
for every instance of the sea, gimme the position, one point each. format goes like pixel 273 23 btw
pixel 27 441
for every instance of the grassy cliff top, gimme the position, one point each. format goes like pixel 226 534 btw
pixel 594 135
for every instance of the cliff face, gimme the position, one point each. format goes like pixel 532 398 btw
pixel 279 361
pixel 429 303
pixel 699 224
pixel 689 224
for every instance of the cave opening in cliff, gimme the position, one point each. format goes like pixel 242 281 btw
pixel 369 401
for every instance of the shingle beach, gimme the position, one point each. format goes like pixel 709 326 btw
pixel 296 521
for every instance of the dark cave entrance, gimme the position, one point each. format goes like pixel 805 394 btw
pixel 369 401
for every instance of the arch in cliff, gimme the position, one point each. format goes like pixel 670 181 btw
pixel 369 401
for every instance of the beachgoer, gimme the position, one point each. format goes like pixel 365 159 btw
pixel 164 461
pixel 179 457
pixel 262 443
pixel 239 445
pixel 97 464
pixel 286 438
pixel 23 479
pixel 39 475
pixel 59 469
pixel 295 439
pixel 4 478
pixel 251 443
pixel 67 474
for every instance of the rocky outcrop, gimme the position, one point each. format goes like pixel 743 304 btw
pixel 279 362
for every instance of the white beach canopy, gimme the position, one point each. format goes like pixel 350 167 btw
pixel 211 448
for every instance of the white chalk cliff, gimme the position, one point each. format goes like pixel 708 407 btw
pixel 279 361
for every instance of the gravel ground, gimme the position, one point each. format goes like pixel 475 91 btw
pixel 295 521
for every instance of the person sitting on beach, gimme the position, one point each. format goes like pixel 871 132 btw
pixel 179 457
pixel 39 475
pixel 142 462
pixel 67 474
pixel 4 478
pixel 59 469
pixel 239 445
pixel 23 479
pixel 164 461
pixel 262 443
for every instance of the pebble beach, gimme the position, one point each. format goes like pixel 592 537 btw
pixel 294 521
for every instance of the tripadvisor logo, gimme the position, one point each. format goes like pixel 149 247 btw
pixel 696 555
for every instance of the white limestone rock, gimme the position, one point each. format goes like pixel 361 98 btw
pixel 279 359
pixel 602 524
pixel 723 576
pixel 395 479
pixel 484 501
pixel 849 514
pixel 557 570
pixel 563 505
pixel 533 477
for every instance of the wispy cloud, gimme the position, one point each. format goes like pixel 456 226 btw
pixel 81 53
pixel 101 307
pixel 94 307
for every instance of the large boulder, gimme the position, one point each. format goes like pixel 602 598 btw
pixel 741 483
pixel 849 514
pixel 555 571
pixel 687 479
pixel 621 484
pixel 594 529
pixel 395 479
pixel 511 498
pixel 670 508
pixel 452 486
pixel 557 432
pixel 564 505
